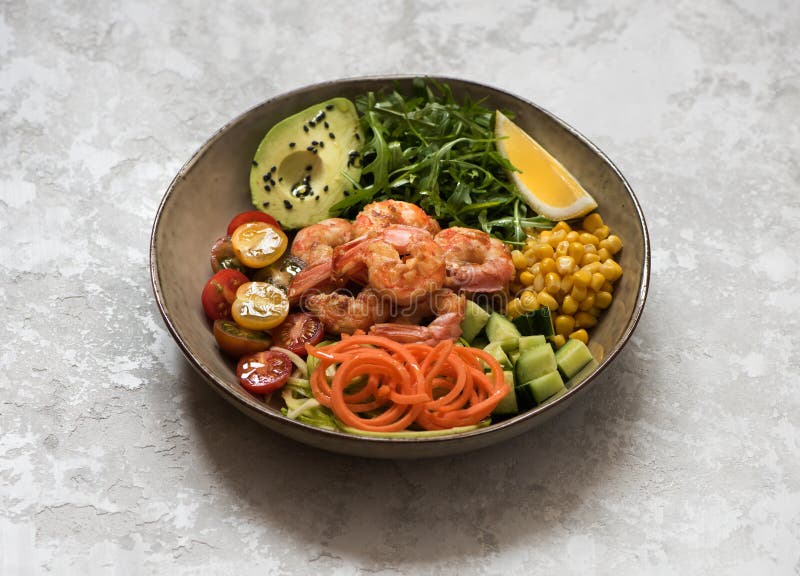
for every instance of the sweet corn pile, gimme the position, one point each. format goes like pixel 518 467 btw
pixel 572 272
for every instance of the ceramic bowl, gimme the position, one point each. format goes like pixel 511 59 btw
pixel 213 186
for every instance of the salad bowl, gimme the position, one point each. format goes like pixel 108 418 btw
pixel 213 186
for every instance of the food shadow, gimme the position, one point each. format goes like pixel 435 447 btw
pixel 473 505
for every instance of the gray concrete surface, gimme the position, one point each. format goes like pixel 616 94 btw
pixel 116 459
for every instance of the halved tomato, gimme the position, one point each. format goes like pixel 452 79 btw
pixel 251 216
pixel 259 306
pixel 298 330
pixel 220 292
pixel 223 256
pixel 258 244
pixel 238 341
pixel 264 372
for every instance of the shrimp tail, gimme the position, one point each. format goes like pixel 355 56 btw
pixel 316 278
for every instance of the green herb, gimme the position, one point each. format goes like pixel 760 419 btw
pixel 437 153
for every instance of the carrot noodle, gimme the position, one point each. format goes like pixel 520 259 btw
pixel 384 386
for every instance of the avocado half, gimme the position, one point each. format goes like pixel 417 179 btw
pixel 302 165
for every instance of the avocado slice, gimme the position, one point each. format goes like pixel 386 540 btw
pixel 304 164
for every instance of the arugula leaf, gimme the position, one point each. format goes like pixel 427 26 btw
pixel 428 149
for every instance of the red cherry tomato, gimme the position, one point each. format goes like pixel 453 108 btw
pixel 251 216
pixel 298 330
pixel 220 292
pixel 264 372
pixel 237 341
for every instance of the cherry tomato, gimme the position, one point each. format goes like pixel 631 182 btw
pixel 223 256
pixel 259 306
pixel 237 341
pixel 298 330
pixel 251 216
pixel 258 244
pixel 264 372
pixel 220 292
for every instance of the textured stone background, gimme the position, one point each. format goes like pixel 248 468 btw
pixel 116 458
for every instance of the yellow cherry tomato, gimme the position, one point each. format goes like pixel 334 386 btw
pixel 259 306
pixel 258 244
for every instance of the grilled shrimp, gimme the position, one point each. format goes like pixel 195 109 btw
pixel 316 242
pixel 314 245
pixel 446 305
pixel 344 313
pixel 376 217
pixel 475 261
pixel 402 263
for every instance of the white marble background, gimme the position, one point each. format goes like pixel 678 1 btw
pixel 115 458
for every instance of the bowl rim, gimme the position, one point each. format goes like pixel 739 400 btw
pixel 340 436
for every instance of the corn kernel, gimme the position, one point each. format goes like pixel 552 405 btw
pixel 581 335
pixel 597 281
pixel 538 282
pixel 562 226
pixel 588 302
pixel 519 259
pixel 592 222
pixel 548 265
pixel 556 237
pixel 529 254
pixel 545 299
pixel 611 270
pixel 566 284
pixel 576 251
pixel 603 254
pixel 535 269
pixel 572 236
pixel 569 305
pixel 602 232
pixel 562 248
pixel 590 249
pixel 603 299
pixel 578 294
pixel 527 278
pixel 552 283
pixel 565 265
pixel 544 235
pixel 592 267
pixel 528 301
pixel 582 277
pixel 589 257
pixel 607 287
pixel 542 251
pixel 613 244
pixel 595 312
pixel 558 340
pixel 514 308
pixel 585 320
pixel 563 324
pixel 589 238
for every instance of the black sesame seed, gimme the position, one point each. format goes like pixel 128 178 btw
pixel 321 115
pixel 280 179
pixel 310 148
pixel 272 182
pixel 358 137
pixel 267 188
pixel 316 197
pixel 329 107
pixel 346 193
pixel 326 188
pixel 265 177
pixel 305 128
pixel 273 169
pixel 265 204
pixel 308 167
pixel 332 135
pixel 322 144
pixel 255 163
pixel 314 142
pixel 326 125
pixel 312 123
pixel 287 204
pixel 291 144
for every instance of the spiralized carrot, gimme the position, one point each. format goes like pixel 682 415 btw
pixel 383 386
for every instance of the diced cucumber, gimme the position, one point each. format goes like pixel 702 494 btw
pixel 572 356
pixel 496 350
pixel 514 356
pixel 528 342
pixel 499 328
pixel 536 322
pixel 535 362
pixel 582 373
pixel 509 345
pixel 539 389
pixel 508 405
pixel 475 319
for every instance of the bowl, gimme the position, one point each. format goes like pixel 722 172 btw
pixel 213 186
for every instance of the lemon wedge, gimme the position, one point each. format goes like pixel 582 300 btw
pixel 544 184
